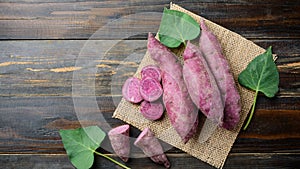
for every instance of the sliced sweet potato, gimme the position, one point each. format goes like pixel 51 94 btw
pixel 152 110
pixel 152 71
pixel 119 139
pixel 131 90
pixel 151 147
pixel 150 89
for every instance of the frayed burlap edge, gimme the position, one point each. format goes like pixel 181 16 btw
pixel 239 52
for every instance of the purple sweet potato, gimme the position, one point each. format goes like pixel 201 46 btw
pixel 151 147
pixel 119 139
pixel 152 110
pixel 202 85
pixel 152 71
pixel 181 110
pixel 150 89
pixel 212 52
pixel 131 90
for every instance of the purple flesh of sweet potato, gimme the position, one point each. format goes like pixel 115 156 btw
pixel 152 71
pixel 119 139
pixel 182 112
pixel 152 110
pixel 131 90
pixel 212 52
pixel 150 89
pixel 151 147
pixel 201 84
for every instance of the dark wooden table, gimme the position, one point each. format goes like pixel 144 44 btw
pixel 42 40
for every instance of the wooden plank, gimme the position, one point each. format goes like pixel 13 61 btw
pixel 79 20
pixel 262 161
pixel 46 68
pixel 36 77
pixel 31 124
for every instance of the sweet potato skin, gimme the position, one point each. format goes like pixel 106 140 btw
pixel 212 52
pixel 182 112
pixel 119 139
pixel 201 84
pixel 151 147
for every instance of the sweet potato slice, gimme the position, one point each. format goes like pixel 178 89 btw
pixel 152 71
pixel 152 110
pixel 131 90
pixel 150 89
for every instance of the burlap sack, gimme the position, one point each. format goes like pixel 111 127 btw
pixel 239 52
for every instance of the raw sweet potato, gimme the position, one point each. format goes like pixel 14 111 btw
pixel 201 84
pixel 152 110
pixel 151 147
pixel 182 112
pixel 152 71
pixel 150 89
pixel 212 51
pixel 119 139
pixel 131 90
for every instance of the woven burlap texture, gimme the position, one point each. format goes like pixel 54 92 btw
pixel 239 52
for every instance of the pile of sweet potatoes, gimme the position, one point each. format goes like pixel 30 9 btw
pixel 204 82
pixel 205 76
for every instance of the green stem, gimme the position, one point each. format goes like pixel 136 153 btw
pixel 252 111
pixel 112 160
pixel 184 43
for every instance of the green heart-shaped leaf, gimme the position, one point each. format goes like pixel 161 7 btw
pixel 176 27
pixel 81 144
pixel 260 75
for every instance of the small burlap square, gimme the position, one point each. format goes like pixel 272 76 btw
pixel 239 52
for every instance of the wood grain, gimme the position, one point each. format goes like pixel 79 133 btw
pixel 31 124
pixel 79 20
pixel 46 68
pixel 43 43
pixel 281 160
